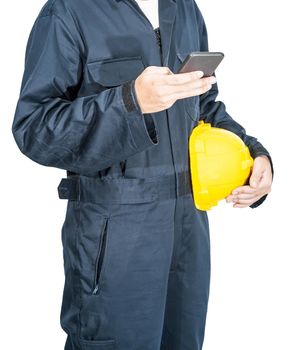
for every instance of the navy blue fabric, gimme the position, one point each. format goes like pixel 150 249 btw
pixel 137 263
pixel 124 191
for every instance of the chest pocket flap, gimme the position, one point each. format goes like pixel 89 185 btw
pixel 115 71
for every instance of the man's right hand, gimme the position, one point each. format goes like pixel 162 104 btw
pixel 157 88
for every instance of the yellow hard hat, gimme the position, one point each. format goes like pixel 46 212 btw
pixel 219 162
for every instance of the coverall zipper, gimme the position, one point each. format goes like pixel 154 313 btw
pixel 137 7
pixel 156 33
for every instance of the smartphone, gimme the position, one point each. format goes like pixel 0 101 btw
pixel 207 62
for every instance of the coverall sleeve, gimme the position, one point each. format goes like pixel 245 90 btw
pixel 214 112
pixel 55 127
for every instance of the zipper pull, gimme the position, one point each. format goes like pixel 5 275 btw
pixel 95 289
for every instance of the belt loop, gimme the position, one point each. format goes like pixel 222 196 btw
pixel 183 183
pixel 180 183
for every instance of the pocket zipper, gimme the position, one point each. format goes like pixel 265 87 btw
pixel 100 257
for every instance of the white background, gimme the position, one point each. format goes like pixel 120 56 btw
pixel 252 290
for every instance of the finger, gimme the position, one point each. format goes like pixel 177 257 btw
pixel 197 92
pixel 182 92
pixel 188 79
pixel 244 189
pixel 236 205
pixel 248 193
pixel 248 201
pixel 192 86
pixel 184 78
pixel 200 86
pixel 185 88
pixel 243 196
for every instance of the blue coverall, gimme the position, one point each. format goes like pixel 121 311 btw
pixel 136 250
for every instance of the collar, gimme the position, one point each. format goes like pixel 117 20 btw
pixel 167 13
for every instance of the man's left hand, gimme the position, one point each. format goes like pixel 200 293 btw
pixel 259 184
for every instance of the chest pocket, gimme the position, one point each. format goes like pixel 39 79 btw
pixel 112 72
pixel 191 103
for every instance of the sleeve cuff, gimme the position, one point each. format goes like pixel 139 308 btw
pixel 258 151
pixel 143 126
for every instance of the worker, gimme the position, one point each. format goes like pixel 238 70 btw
pixel 100 99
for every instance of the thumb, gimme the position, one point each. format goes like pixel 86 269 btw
pixel 256 175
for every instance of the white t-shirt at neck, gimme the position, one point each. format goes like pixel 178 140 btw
pixel 150 9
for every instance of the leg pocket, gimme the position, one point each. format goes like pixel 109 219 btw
pixel 100 259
